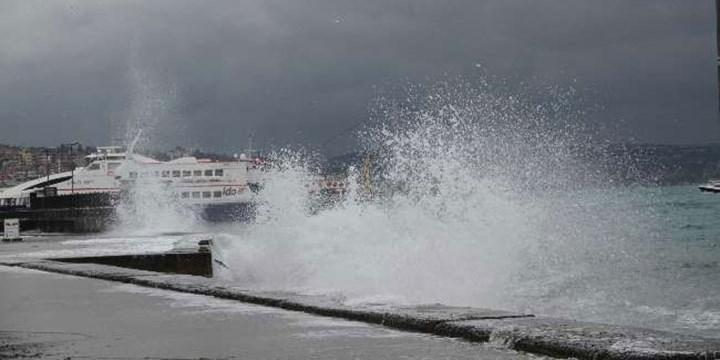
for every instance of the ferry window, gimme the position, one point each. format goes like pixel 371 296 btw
pixel 197 173
pixel 133 175
pixel 196 194
pixel 186 173
pixel 185 195
pixel 94 166
pixel 165 173
pixel 206 194
pixel 218 172
pixel 208 172
pixel 176 173
pixel 217 194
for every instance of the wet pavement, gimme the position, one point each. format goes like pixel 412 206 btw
pixel 42 246
pixel 58 316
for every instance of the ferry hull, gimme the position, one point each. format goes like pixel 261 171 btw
pixel 228 212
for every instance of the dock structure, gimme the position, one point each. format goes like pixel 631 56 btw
pixel 64 213
pixel 80 220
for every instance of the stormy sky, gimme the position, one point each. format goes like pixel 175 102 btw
pixel 208 73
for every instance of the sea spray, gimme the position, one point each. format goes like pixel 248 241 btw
pixel 471 197
pixel 152 109
pixel 148 205
pixel 476 197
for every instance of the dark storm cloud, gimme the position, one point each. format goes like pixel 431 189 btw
pixel 208 73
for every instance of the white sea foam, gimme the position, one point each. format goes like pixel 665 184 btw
pixel 469 202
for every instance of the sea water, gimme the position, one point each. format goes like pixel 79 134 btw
pixel 663 274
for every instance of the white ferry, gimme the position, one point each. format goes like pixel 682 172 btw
pixel 112 170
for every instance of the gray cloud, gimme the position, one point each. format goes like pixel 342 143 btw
pixel 205 73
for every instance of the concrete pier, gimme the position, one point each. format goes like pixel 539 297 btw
pixel 524 332
pixel 53 316
pixel 513 331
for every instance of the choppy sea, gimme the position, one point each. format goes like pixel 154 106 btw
pixel 661 272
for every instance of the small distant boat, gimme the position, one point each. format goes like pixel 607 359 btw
pixel 712 186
